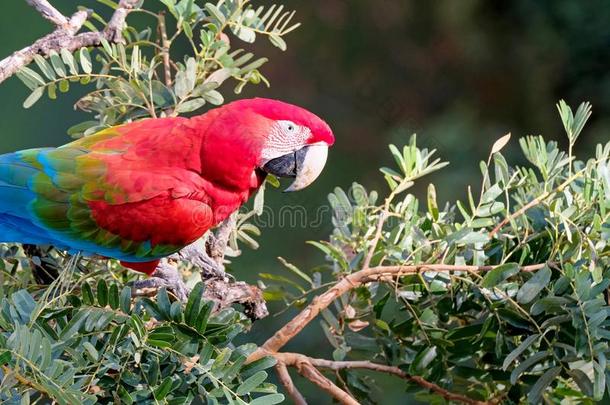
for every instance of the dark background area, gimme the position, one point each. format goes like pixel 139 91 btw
pixel 459 73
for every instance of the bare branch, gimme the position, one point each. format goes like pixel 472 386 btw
pixel 65 35
pixel 114 29
pixel 369 256
pixel 292 359
pixel 165 45
pixel 307 370
pixel 220 239
pixel 226 293
pixel 286 380
pixel 49 12
pixel 322 301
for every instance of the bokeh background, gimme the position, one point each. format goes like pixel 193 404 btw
pixel 459 73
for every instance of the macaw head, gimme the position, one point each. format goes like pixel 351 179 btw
pixel 273 137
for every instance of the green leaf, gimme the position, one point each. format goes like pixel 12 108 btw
pixel 499 274
pixel 91 351
pixel 278 42
pixel 85 60
pixel 271 399
pixel 64 86
pixel 526 364
pixel 245 34
pixel 193 305
pixel 296 271
pixel 164 303
pixel 258 365
pixel 5 357
pixel 582 381
pixel 113 296
pixel 44 67
pixel 69 61
pixel 33 97
pixel 102 292
pixel 534 285
pixel 87 294
pixel 543 382
pixel 500 143
pixel 204 316
pixel 332 251
pixel 57 64
pixel 80 128
pixel 423 360
pixel 512 356
pixel 251 383
pixel 163 389
pixel 190 105
pixel 125 300
pixel 215 12
pixel 213 97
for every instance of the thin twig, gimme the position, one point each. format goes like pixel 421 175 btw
pixel 296 358
pixel 65 35
pixel 307 370
pixel 165 45
pixel 377 237
pixel 286 380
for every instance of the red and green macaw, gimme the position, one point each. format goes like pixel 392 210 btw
pixel 144 190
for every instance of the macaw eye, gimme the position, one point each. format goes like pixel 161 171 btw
pixel 289 126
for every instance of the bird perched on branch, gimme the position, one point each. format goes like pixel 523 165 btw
pixel 144 190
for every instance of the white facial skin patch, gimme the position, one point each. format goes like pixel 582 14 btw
pixel 285 137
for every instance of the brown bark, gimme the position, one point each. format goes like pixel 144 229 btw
pixel 65 35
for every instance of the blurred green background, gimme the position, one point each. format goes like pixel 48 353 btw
pixel 459 73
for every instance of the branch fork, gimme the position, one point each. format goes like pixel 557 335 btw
pixel 65 35
pixel 307 366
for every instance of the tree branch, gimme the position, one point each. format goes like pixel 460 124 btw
pixel 65 35
pixel 165 45
pixel 286 380
pixel 48 11
pixel 307 370
pixel 292 328
pixel 292 359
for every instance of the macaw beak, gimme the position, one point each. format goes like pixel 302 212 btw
pixel 304 165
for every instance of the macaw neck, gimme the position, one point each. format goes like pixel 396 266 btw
pixel 230 151
pixel 229 156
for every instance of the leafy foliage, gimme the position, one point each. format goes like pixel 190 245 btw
pixel 77 343
pixel 101 346
pixel 138 78
pixel 499 333
pixel 505 333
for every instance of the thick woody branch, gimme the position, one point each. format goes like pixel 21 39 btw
pixel 65 35
pixel 354 280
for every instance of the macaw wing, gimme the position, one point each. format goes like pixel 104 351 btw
pixel 98 195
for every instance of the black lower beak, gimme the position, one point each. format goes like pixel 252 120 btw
pixel 287 165
pixel 304 165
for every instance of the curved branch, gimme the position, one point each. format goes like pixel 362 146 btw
pixel 295 358
pixel 322 301
pixel 307 370
pixel 286 380
pixel 65 35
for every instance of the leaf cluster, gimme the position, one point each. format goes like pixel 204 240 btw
pixel 506 333
pixel 99 344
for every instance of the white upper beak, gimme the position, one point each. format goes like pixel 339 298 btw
pixel 312 166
